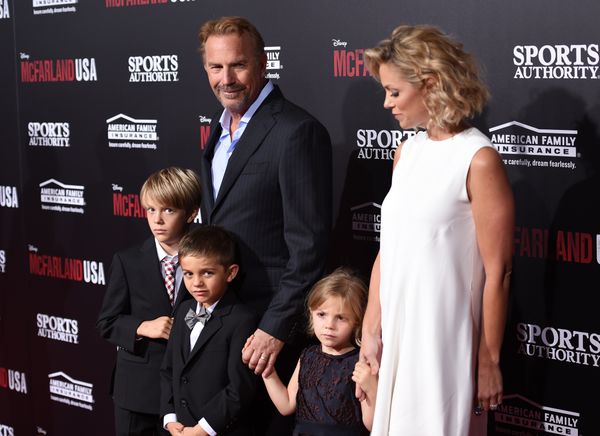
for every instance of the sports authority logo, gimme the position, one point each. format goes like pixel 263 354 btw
pixel 366 222
pixel 60 197
pixel 517 139
pixel 57 70
pixel 348 62
pixel 4 13
pixel 54 6
pixel 127 205
pixel 57 328
pixel 380 144
pixel 575 61
pixel 2 261
pixel 49 134
pixel 13 380
pixel 273 62
pixel 9 197
pixel 128 3
pixel 563 345
pixel 6 430
pixel 562 245
pixel 163 68
pixel 67 390
pixel 518 412
pixel 204 130
pixel 66 268
pixel 127 132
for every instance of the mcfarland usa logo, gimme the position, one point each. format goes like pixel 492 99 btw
pixel 517 412
pixel 13 380
pixel 575 61
pixel 561 245
pixel 163 68
pixel 8 196
pixel 67 390
pixel 380 144
pixel 127 205
pixel 66 268
pixel 58 70
pixel 60 197
pixel 563 345
pixel 366 222
pixel 4 13
pixel 57 328
pixel 49 134
pixel 529 146
pixel 348 62
pixel 54 6
pixel 274 64
pixel 129 3
pixel 127 132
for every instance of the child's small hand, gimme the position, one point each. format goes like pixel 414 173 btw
pixel 175 428
pixel 159 328
pixel 363 377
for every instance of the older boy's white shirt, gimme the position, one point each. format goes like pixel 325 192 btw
pixel 194 334
pixel 178 272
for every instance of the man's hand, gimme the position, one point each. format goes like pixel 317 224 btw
pixel 194 431
pixel 159 328
pixel 260 352
pixel 175 428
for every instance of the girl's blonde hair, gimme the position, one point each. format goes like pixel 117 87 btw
pixel 430 60
pixel 349 287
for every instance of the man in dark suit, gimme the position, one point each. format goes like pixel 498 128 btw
pixel 144 288
pixel 266 177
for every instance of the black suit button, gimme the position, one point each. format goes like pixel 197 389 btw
pixel 183 403
pixel 184 380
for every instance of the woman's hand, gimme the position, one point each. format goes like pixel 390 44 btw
pixel 489 385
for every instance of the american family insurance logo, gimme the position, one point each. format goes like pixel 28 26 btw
pixel 67 390
pixel 57 328
pixel 60 197
pixel 57 70
pixel 348 62
pixel 558 344
pixel 127 205
pixel 524 145
pixel 9 196
pixel 274 65
pixel 13 380
pixel 49 134
pixel 131 3
pixel 366 222
pixel 380 144
pixel 66 268
pixel 560 61
pixel 41 7
pixel 131 133
pixel 4 13
pixel 204 130
pixel 155 68
pixel 517 412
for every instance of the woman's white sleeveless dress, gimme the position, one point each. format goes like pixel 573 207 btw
pixel 431 291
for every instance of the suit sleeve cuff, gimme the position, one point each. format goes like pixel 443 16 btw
pixel 168 418
pixel 206 427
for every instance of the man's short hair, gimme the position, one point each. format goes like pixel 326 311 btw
pixel 173 186
pixel 228 25
pixel 209 241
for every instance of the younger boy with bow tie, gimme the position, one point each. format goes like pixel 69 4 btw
pixel 205 386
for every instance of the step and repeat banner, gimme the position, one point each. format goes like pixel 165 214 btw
pixel 98 94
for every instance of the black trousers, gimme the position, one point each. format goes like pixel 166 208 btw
pixel 130 423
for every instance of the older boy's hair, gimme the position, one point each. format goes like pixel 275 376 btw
pixel 173 186
pixel 209 241
pixel 343 283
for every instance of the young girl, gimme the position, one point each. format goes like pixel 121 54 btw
pixel 321 391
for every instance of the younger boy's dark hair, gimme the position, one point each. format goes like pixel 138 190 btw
pixel 209 241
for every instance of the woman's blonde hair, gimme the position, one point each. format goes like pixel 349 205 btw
pixel 349 287
pixel 430 60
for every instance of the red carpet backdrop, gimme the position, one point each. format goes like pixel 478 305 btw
pixel 97 94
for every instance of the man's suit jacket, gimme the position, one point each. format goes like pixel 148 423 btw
pixel 136 292
pixel 276 199
pixel 211 381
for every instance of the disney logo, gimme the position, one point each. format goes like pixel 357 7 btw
pixel 31 247
pixel 116 187
pixel 338 42
pixel 23 55
pixel 204 119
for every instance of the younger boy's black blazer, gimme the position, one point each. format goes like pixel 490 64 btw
pixel 136 292
pixel 210 381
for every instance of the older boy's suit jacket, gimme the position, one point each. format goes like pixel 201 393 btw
pixel 276 199
pixel 210 381
pixel 136 292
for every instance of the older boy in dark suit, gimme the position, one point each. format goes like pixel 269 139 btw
pixel 142 293
pixel 205 386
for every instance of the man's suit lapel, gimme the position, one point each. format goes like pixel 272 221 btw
pixel 151 265
pixel 261 123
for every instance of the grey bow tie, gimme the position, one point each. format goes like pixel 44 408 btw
pixel 191 318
